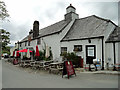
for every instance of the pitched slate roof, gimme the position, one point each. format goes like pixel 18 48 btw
pixel 114 36
pixel 54 28
pixel 87 27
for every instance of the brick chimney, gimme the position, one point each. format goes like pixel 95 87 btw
pixel 35 29
pixel 71 13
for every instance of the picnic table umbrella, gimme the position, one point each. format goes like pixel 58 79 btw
pixel 28 53
pixel 13 53
pixel 24 50
pixel 15 61
pixel 17 54
pixel 37 52
pixel 47 54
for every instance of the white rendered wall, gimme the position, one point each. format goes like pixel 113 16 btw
pixel 119 52
pixel 97 42
pixel 110 53
pixel 108 30
pixel 52 41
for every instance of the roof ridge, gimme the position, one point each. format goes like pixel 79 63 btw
pixel 102 18
pixel 108 20
pixel 94 16
pixel 115 31
pixel 69 30
pixel 84 17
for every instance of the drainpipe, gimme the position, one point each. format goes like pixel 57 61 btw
pixel 102 54
pixel 18 45
pixel 0 45
pixel 114 68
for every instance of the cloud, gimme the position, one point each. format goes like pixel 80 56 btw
pixel 107 10
pixel 24 12
pixel 17 31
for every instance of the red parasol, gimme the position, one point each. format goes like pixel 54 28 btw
pixel 13 53
pixel 37 51
pixel 17 54
pixel 24 50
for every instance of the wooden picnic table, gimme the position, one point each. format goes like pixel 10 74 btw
pixel 45 64
pixel 41 64
pixel 34 64
pixel 25 63
pixel 56 67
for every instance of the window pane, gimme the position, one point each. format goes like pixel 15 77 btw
pixel 77 48
pixel 63 49
pixel 90 51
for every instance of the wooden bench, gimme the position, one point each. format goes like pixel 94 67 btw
pixel 56 68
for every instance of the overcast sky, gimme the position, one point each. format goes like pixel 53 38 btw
pixel 24 12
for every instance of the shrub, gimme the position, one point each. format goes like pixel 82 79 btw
pixel 42 56
pixel 72 57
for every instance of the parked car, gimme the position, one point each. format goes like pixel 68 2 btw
pixel 6 56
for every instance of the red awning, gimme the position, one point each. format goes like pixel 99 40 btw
pixel 24 50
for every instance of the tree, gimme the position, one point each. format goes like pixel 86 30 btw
pixel 3 33
pixel 5 37
pixel 3 11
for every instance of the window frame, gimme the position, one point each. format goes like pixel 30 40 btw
pixel 78 48
pixel 65 50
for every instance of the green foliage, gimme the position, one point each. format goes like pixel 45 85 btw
pixel 6 50
pixel 3 11
pixel 5 37
pixel 42 55
pixel 72 57
pixel 24 57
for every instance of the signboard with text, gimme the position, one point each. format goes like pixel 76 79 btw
pixel 68 69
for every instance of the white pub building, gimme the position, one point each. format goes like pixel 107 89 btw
pixel 95 38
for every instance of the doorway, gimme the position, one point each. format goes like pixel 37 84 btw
pixel 90 53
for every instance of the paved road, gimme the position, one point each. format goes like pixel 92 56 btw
pixel 16 77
